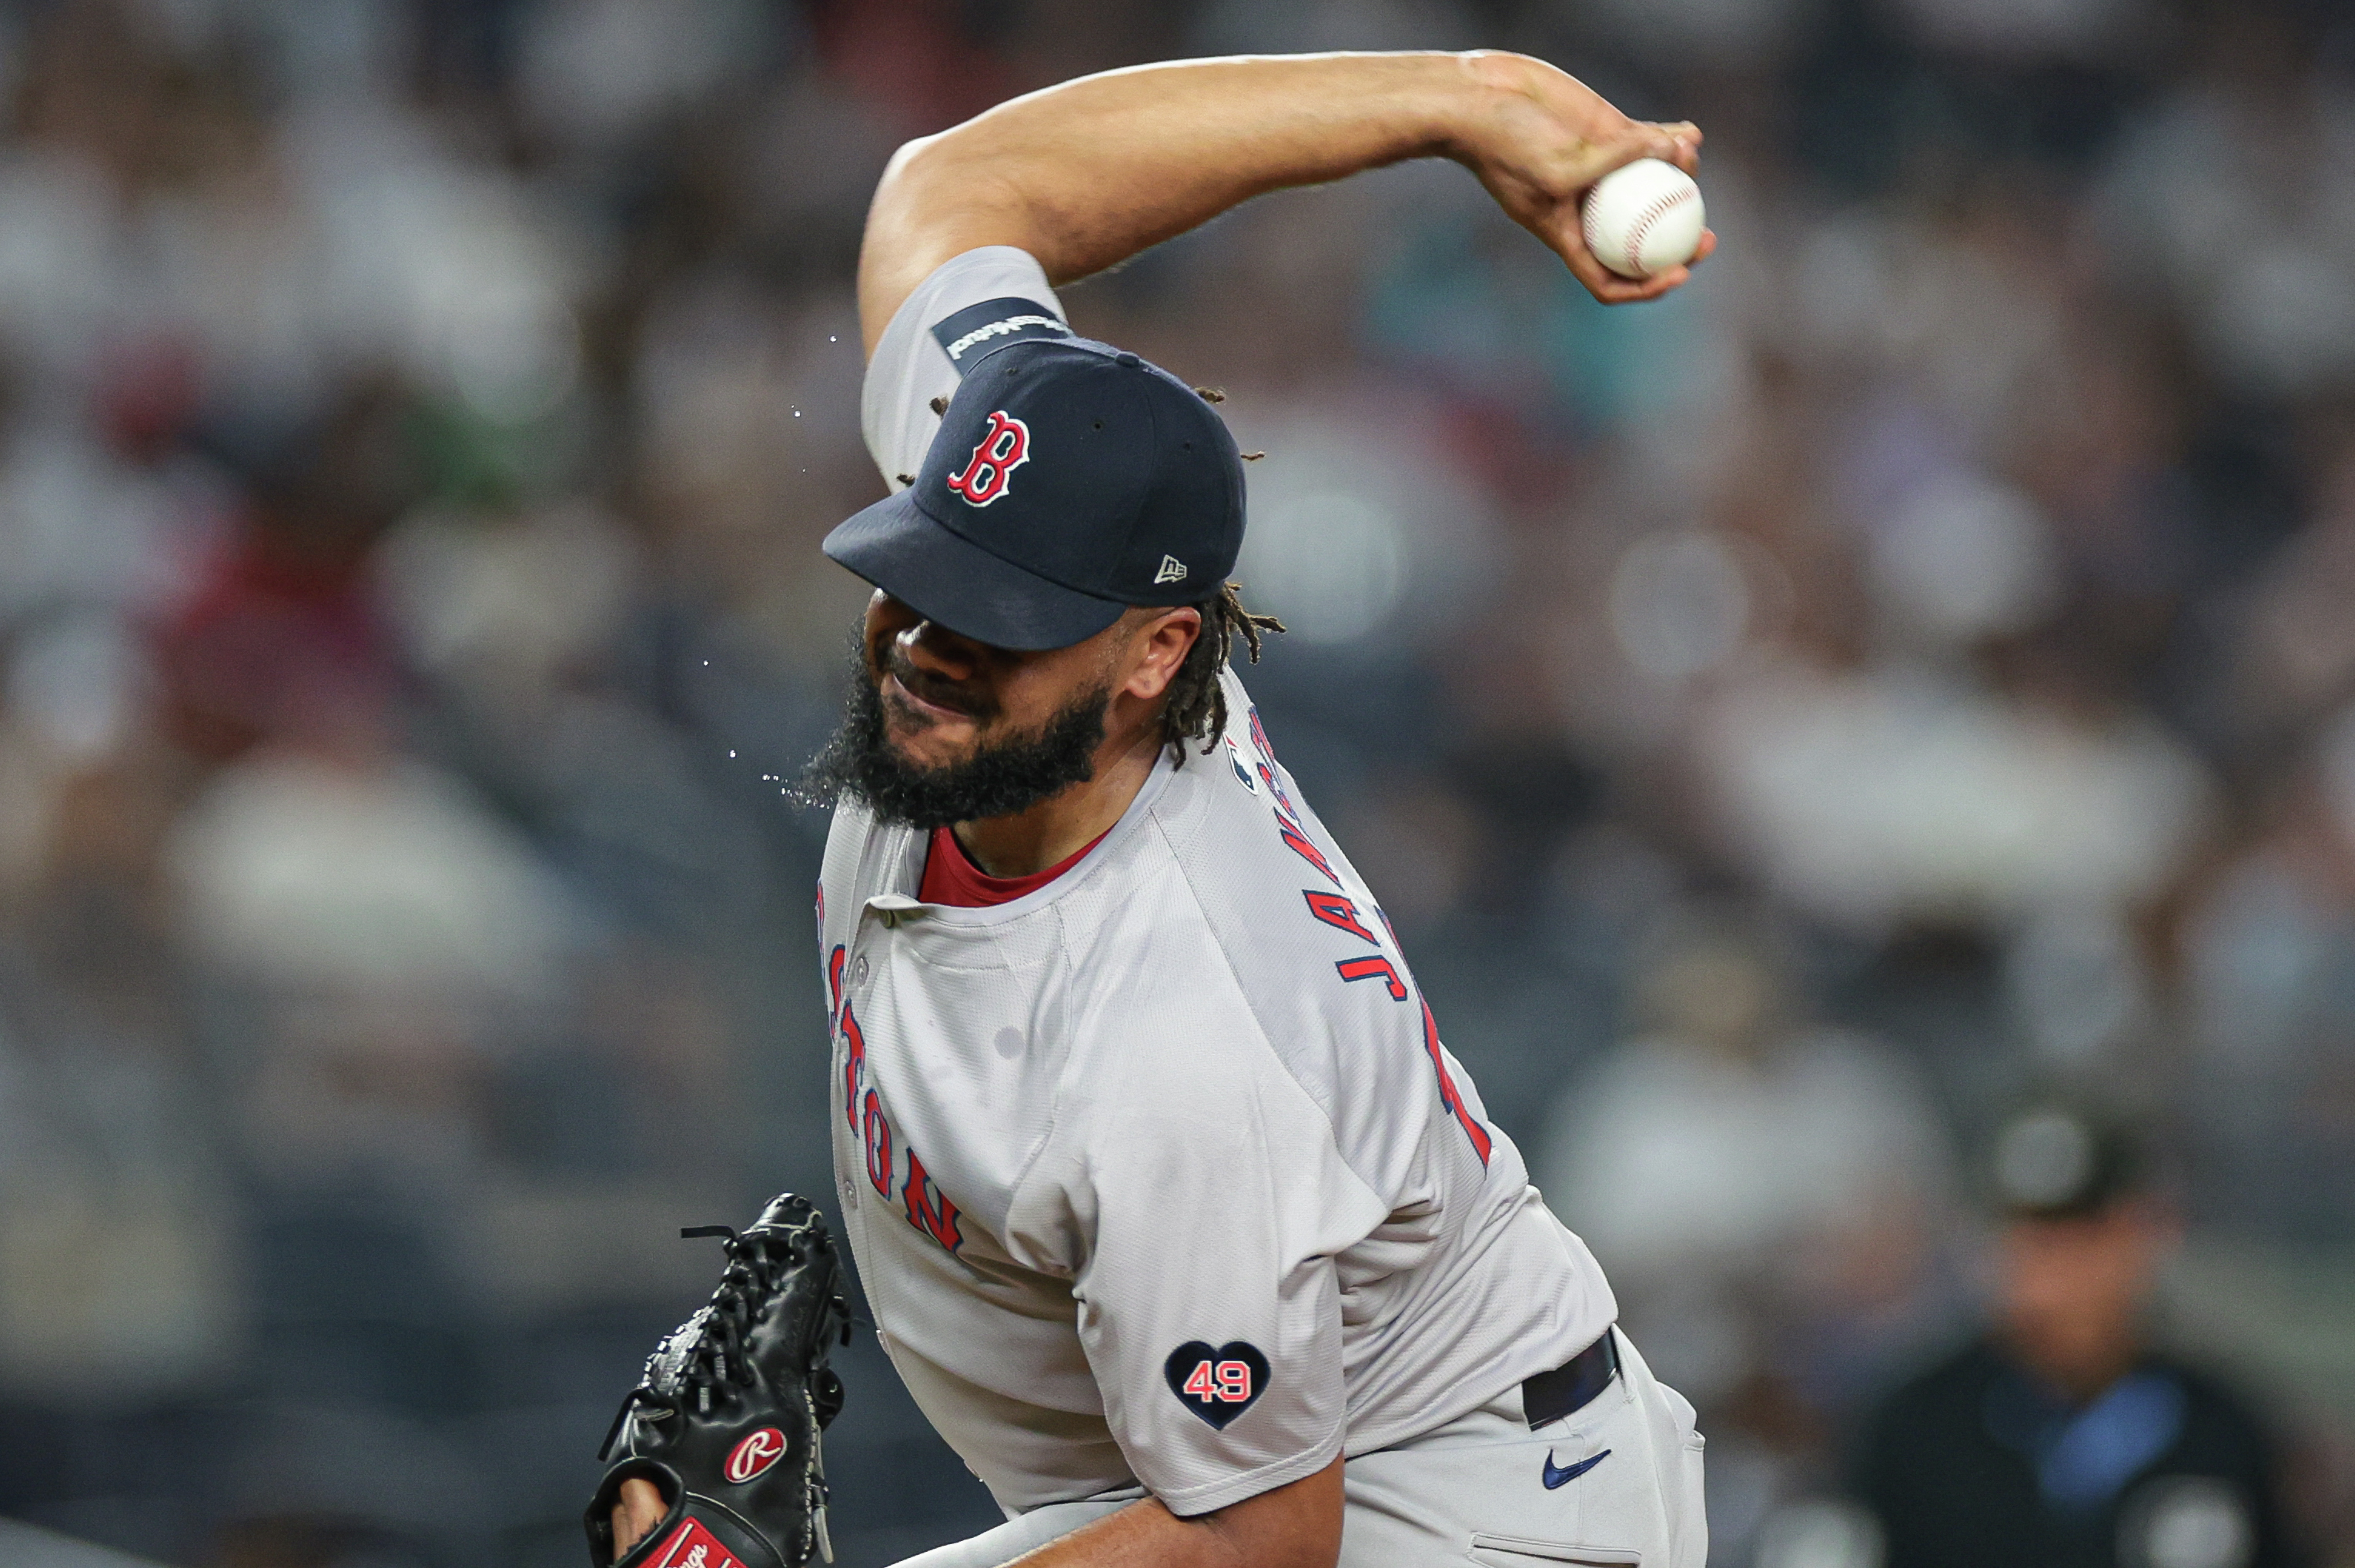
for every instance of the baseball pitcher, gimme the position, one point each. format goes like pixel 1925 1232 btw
pixel 1177 1216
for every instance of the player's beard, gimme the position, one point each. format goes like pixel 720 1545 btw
pixel 1003 776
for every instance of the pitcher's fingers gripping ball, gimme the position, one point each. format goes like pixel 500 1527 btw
pixel 724 1423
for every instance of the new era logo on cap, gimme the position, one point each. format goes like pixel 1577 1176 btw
pixel 1172 571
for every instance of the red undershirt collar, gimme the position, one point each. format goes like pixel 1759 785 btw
pixel 951 877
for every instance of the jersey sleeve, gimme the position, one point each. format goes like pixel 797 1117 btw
pixel 1210 1203
pixel 972 303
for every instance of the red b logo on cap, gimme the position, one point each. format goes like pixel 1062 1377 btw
pixel 1005 448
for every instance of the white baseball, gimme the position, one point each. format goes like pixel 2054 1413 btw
pixel 1644 218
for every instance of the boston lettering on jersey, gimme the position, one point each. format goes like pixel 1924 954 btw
pixel 1341 914
pixel 927 1208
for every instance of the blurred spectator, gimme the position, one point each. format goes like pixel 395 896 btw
pixel 2270 955
pixel 2231 192
pixel 1764 1192
pixel 1898 794
pixel 2062 1436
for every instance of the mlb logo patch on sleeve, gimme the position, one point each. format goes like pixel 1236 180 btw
pixel 973 332
pixel 1216 1382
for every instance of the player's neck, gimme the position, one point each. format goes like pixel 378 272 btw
pixel 1069 820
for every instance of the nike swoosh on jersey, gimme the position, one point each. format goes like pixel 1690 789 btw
pixel 1555 1477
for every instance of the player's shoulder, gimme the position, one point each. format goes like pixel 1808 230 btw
pixel 1271 890
pixel 1215 819
pixel 978 301
pixel 1204 843
pixel 863 856
pixel 970 305
pixel 1244 808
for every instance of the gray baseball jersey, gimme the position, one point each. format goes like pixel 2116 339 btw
pixel 1159 1175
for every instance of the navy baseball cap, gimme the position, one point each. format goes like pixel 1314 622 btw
pixel 1069 480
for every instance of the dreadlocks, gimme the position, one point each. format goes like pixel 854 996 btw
pixel 1196 709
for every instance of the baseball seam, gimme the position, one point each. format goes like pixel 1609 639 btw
pixel 1661 208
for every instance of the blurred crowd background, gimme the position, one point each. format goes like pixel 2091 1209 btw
pixel 1913 664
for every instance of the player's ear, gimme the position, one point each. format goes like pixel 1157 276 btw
pixel 1159 647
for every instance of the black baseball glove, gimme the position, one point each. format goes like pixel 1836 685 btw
pixel 725 1421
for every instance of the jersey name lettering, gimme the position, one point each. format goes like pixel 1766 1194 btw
pixel 1374 968
pixel 1297 840
pixel 1447 1095
pixel 1341 914
pixel 1336 911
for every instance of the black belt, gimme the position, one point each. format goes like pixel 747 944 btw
pixel 1571 1386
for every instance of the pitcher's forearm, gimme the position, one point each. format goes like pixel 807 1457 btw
pixel 1087 174
pixel 1298 1525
